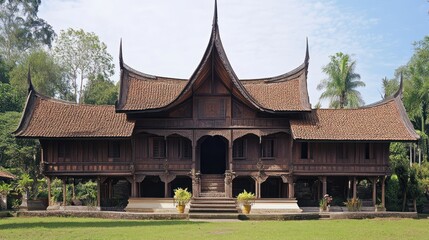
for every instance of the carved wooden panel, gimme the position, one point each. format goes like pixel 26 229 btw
pixel 211 108
pixel 241 111
pixel 182 111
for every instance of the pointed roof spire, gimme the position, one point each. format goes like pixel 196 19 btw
pixel 307 53
pixel 401 86
pixel 215 14
pixel 121 59
pixel 30 84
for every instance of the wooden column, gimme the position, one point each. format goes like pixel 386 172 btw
pixel 166 190
pixel 291 190
pixel 374 191
pixel 354 187
pixel 48 181
pixel 64 180
pixel 324 185
pixel 230 149
pixel 383 189
pixel 228 182
pixel 98 192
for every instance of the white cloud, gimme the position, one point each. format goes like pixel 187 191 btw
pixel 261 38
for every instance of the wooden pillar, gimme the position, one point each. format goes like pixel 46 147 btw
pixel 324 186
pixel 354 187
pixel 64 180
pixel 291 190
pixel 48 181
pixel 166 190
pixel 230 149
pixel 374 191
pixel 98 192
pixel 383 189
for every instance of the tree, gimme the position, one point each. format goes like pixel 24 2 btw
pixel 416 90
pixel 47 76
pixel 20 155
pixel 100 92
pixel 390 86
pixel 83 56
pixel 21 28
pixel 9 101
pixel 340 86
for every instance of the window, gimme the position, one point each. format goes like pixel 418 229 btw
pixel 306 150
pixel 369 151
pixel 342 152
pixel 267 148
pixel 239 149
pixel 185 150
pixel 158 147
pixel 114 149
pixel 63 150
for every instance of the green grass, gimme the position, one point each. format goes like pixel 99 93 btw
pixel 90 228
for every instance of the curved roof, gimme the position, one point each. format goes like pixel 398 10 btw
pixel 386 120
pixel 45 117
pixel 142 92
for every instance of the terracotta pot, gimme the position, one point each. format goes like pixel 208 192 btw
pixel 180 208
pixel 246 209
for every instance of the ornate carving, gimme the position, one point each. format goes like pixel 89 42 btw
pixel 139 178
pixel 165 133
pixel 238 133
pixel 167 177
pixel 285 178
pixel 224 133
pixel 196 179
pixel 132 169
pixel 130 179
pixel 260 165
pixel 229 176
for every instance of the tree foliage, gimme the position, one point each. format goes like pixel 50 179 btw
pixel 9 100
pixel 100 91
pixel 47 76
pixel 340 86
pixel 83 56
pixel 21 28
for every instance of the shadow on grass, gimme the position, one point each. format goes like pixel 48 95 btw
pixel 93 224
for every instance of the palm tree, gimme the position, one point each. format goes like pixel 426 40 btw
pixel 341 83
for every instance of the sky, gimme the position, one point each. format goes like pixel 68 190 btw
pixel 261 38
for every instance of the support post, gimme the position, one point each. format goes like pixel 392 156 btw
pixel 98 192
pixel 383 193
pixel 291 190
pixel 48 181
pixel 64 180
pixel 354 187
pixel 374 191
pixel 324 186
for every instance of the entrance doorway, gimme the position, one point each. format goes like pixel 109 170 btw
pixel 213 155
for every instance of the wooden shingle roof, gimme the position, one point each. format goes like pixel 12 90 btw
pixel 140 92
pixel 45 117
pixel 383 121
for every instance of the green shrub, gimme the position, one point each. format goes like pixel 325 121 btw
pixel 393 193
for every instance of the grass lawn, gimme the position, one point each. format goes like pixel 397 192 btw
pixel 90 228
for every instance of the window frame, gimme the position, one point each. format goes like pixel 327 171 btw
pixel 240 142
pixel 262 153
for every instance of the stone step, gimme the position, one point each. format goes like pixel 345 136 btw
pixel 213 204
pixel 213 216
pixel 212 210
pixel 212 189
pixel 212 194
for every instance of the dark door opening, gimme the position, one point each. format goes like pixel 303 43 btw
pixel 213 155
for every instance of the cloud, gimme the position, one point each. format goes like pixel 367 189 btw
pixel 261 38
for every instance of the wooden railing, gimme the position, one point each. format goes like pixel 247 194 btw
pixel 88 167
pixel 340 168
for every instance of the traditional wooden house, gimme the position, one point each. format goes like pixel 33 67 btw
pixel 217 134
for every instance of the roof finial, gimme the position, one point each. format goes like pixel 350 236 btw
pixel 121 59
pixel 30 84
pixel 307 53
pixel 401 86
pixel 215 14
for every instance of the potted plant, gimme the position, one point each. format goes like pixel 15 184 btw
pixel 246 199
pixel 4 191
pixel 325 203
pixel 353 204
pixel 181 198
pixel 24 186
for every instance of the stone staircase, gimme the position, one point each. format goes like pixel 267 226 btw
pixel 212 185
pixel 212 203
pixel 213 208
